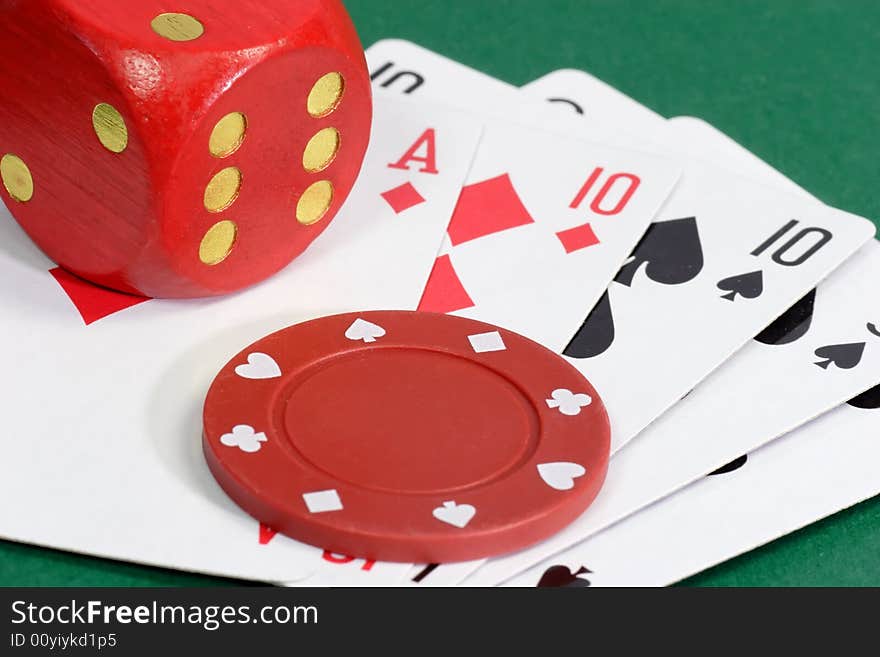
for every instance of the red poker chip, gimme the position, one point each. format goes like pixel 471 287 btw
pixel 404 436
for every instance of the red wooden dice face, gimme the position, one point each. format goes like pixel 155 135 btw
pixel 179 155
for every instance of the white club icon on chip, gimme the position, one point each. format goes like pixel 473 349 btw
pixel 322 501
pixel 485 342
pixel 568 402
pixel 245 438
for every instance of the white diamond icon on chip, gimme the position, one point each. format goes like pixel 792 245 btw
pixel 322 501
pixel 484 342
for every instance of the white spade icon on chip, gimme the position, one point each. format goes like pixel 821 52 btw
pixel 457 515
pixel 361 329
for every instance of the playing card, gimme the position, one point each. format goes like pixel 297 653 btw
pixel 699 139
pixel 594 102
pixel 401 68
pixel 847 312
pixel 102 407
pixel 601 106
pixel 820 469
pixel 543 223
pixel 679 323
pixel 710 245
pixel 544 220
pixel 576 186
pixel 697 252
pixel 541 228
pixel 339 570
pixel 725 257
pixel 825 350
pixel 741 506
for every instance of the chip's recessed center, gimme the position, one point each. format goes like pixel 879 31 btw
pixel 410 421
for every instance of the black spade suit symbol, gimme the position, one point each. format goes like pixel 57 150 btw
pixel 792 325
pixel 868 400
pixel 561 576
pixel 844 356
pixel 747 286
pixel 672 251
pixel 596 334
pixel 735 464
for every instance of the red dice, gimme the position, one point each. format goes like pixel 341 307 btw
pixel 179 154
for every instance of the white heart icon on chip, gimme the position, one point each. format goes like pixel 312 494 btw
pixel 561 475
pixel 361 329
pixel 259 366
pixel 457 515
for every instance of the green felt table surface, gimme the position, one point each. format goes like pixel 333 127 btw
pixel 795 81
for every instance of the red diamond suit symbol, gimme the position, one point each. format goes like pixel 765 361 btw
pixel 93 302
